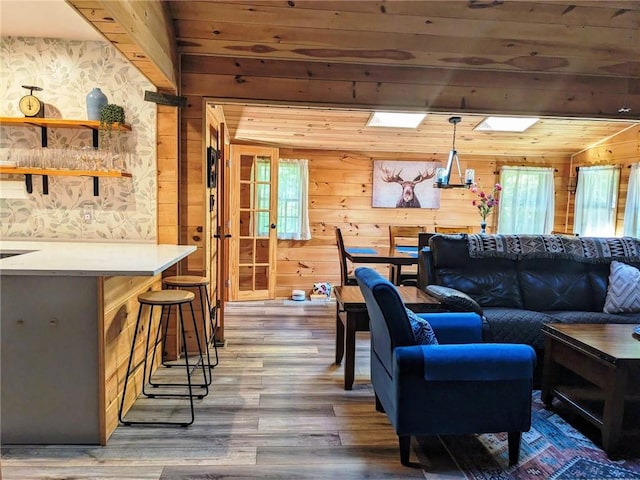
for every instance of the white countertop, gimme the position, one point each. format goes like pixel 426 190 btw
pixel 89 258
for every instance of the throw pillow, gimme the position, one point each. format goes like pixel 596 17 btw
pixel 422 331
pixel 623 292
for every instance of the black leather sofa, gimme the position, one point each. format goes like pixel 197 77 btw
pixel 518 289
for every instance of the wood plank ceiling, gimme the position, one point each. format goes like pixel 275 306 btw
pixel 330 129
pixel 557 59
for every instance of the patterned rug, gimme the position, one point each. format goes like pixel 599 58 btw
pixel 553 449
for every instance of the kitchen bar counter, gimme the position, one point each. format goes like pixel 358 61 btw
pixel 67 314
pixel 88 259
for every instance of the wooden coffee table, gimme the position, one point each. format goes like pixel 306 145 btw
pixel 608 357
pixel 351 315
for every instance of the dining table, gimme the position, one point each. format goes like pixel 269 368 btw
pixel 352 317
pixel 396 257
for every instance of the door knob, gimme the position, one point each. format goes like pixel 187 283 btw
pixel 273 225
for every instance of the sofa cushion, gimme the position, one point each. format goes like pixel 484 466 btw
pixel 494 284
pixel 599 278
pixel 489 281
pixel 623 292
pixel 514 325
pixel 422 331
pixel 628 317
pixel 592 317
pixel 555 284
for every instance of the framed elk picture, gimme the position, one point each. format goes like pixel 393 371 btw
pixel 399 184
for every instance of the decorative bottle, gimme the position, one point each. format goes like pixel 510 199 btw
pixel 95 101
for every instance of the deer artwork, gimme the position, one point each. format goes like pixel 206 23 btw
pixel 408 197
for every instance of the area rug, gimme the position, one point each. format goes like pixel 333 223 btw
pixel 553 449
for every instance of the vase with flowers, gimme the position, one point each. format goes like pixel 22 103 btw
pixel 485 203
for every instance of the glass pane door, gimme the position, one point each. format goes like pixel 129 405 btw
pixel 254 235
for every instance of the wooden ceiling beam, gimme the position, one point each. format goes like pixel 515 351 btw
pixel 437 90
pixel 402 75
pixel 418 17
pixel 223 38
pixel 144 34
pixel 554 11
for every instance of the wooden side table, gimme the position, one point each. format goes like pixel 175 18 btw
pixel 608 357
pixel 351 317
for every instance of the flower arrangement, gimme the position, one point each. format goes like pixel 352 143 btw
pixel 485 202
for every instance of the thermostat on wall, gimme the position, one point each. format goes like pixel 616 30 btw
pixel 298 295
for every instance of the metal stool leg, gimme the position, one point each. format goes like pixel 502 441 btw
pixel 199 361
pixel 201 357
pixel 147 378
pixel 126 378
pixel 164 302
pixel 202 290
pixel 212 323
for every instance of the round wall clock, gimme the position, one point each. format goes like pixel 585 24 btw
pixel 30 105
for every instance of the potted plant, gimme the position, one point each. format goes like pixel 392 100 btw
pixel 110 114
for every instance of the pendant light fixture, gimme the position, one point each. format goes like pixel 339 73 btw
pixel 443 175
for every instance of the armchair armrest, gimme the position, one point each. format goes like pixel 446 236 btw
pixel 455 327
pixel 454 299
pixel 476 362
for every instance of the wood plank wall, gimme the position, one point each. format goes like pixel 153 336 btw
pixel 623 150
pixel 168 180
pixel 120 299
pixel 193 195
pixel 340 184
pixel 167 161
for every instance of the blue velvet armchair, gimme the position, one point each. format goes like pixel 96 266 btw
pixel 459 386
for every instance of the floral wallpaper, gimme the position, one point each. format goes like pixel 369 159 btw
pixel 67 71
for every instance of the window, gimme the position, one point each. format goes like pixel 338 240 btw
pixel 261 194
pixel 526 201
pixel 596 200
pixel 632 208
pixel 293 200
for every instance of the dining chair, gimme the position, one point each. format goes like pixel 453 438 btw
pixel 452 230
pixel 345 279
pixel 423 239
pixel 404 236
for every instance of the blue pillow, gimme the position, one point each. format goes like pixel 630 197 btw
pixel 422 331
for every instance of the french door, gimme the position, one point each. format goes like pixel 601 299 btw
pixel 253 197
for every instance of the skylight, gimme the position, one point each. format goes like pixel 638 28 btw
pixel 395 120
pixel 506 124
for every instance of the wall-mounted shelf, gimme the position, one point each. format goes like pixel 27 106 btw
pixel 57 123
pixel 44 124
pixel 45 172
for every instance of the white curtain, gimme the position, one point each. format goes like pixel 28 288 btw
pixel 526 200
pixel 596 200
pixel 293 199
pixel 632 209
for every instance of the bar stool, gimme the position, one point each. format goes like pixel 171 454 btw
pixel 166 299
pixel 201 283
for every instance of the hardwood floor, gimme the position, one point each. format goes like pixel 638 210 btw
pixel 277 410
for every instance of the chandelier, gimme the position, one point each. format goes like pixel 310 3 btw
pixel 443 175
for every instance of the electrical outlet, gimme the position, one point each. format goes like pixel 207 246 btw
pixel 87 214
